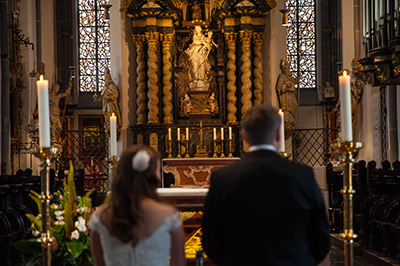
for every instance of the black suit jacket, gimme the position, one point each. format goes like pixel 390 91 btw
pixel 265 210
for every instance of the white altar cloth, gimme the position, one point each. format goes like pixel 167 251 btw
pixel 182 192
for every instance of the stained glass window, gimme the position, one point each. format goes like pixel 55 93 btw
pixel 94 45
pixel 301 41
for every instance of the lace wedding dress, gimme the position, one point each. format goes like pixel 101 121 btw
pixel 153 250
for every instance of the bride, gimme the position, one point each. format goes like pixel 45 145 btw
pixel 135 227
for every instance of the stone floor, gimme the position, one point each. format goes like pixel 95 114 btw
pixel 336 258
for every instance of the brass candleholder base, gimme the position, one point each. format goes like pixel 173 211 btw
pixel 179 150
pixel 285 155
pixel 170 149
pixel 46 156
pixel 187 149
pixel 349 149
pixel 113 161
pixel 230 148
pixel 215 149
pixel 222 149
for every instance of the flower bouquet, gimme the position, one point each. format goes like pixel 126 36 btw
pixel 69 216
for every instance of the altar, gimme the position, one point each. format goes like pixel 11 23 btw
pixel 184 172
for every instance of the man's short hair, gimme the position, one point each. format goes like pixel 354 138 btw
pixel 260 124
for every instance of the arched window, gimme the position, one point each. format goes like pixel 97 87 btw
pixel 301 51
pixel 94 45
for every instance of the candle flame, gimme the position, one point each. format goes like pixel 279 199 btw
pixel 113 115
pixel 41 78
pixel 280 111
pixel 344 73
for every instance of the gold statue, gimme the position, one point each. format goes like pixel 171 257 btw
pixel 109 98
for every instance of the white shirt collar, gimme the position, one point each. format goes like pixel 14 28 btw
pixel 267 147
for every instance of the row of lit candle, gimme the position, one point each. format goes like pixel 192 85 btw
pixel 187 133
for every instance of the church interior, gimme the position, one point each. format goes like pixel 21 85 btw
pixel 178 76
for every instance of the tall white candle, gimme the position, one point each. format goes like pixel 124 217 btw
pixel 222 133
pixel 169 134
pixel 44 114
pixel 345 106
pixel 282 132
pixel 113 135
pixel 215 133
pixel 230 133
pixel 179 133
pixel 187 133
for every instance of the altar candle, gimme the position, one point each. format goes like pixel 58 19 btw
pixel 44 114
pixel 215 133
pixel 345 107
pixel 169 134
pixel 230 133
pixel 282 132
pixel 179 133
pixel 113 135
pixel 222 133
pixel 187 133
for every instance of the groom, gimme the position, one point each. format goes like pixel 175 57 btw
pixel 263 209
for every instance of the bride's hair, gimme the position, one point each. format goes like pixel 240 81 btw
pixel 135 179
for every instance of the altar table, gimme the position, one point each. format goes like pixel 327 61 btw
pixel 191 171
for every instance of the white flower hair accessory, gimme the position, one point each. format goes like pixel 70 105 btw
pixel 141 161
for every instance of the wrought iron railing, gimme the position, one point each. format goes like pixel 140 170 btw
pixel 88 151
pixel 311 146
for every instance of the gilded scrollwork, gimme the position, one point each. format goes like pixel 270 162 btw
pixel 258 38
pixel 196 169
pixel 154 141
pixel 167 85
pixel 174 171
pixel 382 72
pixel 139 40
pixel 245 38
pixel 230 38
pixel 152 63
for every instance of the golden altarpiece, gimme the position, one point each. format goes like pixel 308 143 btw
pixel 198 67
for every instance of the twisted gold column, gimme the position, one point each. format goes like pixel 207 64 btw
pixel 230 38
pixel 152 94
pixel 140 79
pixel 245 38
pixel 258 38
pixel 167 85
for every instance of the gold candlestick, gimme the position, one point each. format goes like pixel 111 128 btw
pixel 230 148
pixel 222 149
pixel 170 149
pixel 285 155
pixel 349 149
pixel 179 150
pixel 215 149
pixel 187 149
pixel 113 161
pixel 46 155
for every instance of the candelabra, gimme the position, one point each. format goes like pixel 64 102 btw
pixel 222 149
pixel 215 149
pixel 230 148
pixel 46 156
pixel 187 149
pixel 170 148
pixel 349 150
pixel 179 149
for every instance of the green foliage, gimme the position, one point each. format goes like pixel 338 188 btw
pixel 69 215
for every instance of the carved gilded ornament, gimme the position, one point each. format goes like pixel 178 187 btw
pixel 154 141
pixel 152 62
pixel 258 38
pixel 245 36
pixel 196 169
pixel 382 72
pixel 139 139
pixel 139 39
pixel 230 38
pixel 167 85
pixel 152 37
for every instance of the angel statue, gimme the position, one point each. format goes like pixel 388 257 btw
pixel 199 63
pixel 54 108
pixel 286 91
pixel 109 98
